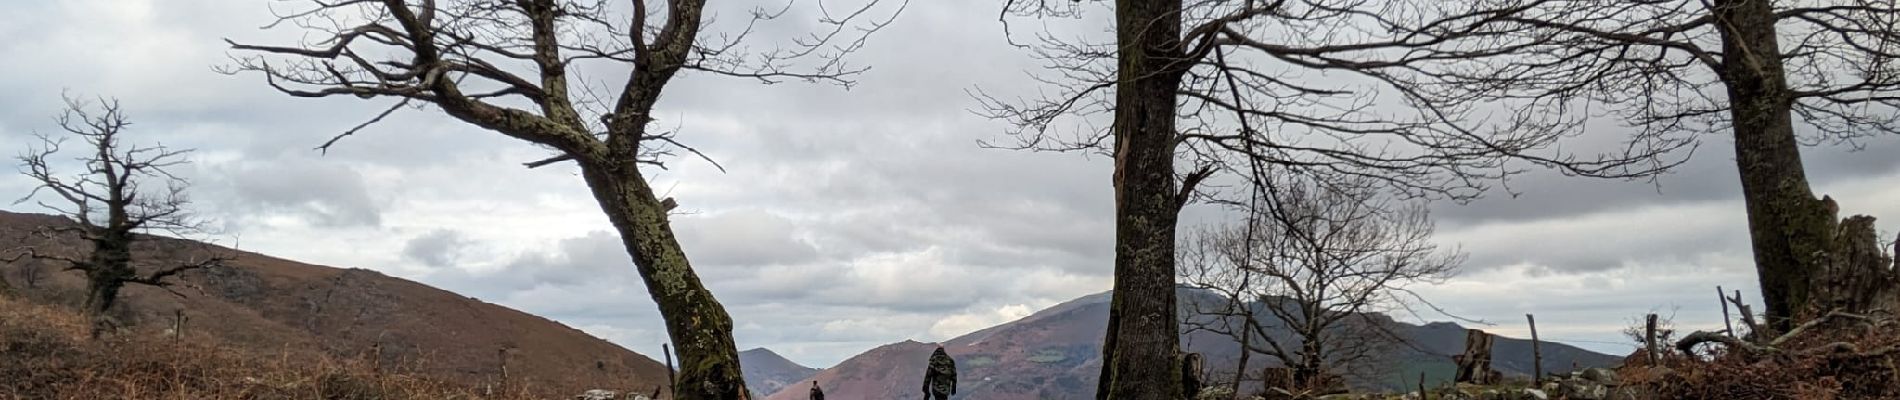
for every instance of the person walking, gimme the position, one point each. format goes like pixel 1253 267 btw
pixel 940 380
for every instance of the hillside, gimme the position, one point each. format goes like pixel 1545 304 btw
pixel 279 305
pixel 1055 354
pixel 766 372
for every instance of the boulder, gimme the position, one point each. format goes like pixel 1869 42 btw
pixel 1583 389
pixel 1603 376
pixel 597 394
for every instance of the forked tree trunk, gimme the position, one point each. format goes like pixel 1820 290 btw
pixel 1143 338
pixel 696 323
pixel 1788 228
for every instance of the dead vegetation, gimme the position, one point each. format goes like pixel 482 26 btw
pixel 48 355
pixel 1835 356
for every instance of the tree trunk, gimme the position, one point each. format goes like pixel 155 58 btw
pixel 695 322
pixel 101 293
pixel 1788 228
pixel 109 267
pixel 1246 354
pixel 1307 374
pixel 1143 335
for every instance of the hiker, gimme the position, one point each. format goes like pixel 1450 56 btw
pixel 816 393
pixel 940 381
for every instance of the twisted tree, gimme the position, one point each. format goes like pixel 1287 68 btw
pixel 475 60
pixel 1774 74
pixel 1329 90
pixel 113 203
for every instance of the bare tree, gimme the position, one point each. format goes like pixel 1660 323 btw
pixel 123 193
pixel 1316 262
pixel 475 59
pixel 1328 89
pixel 1774 74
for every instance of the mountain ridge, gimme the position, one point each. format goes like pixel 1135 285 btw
pixel 1054 353
pixel 767 372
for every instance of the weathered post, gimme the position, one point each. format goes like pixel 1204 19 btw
pixel 1649 338
pixel 1474 366
pixel 376 358
pixel 1537 351
pixel 1727 326
pixel 502 354
pixel 178 324
pixel 670 380
pixel 1422 395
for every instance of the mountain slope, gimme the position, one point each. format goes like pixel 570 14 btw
pixel 276 304
pixel 767 372
pixel 1055 354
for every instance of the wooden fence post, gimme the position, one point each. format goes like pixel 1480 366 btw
pixel 178 324
pixel 1649 338
pixel 1537 351
pixel 1422 395
pixel 502 354
pixel 1726 325
pixel 670 380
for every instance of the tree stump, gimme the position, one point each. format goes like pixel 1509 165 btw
pixel 1474 366
pixel 1857 277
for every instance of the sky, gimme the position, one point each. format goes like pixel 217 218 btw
pixel 844 218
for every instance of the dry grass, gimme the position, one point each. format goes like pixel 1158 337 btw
pixel 46 354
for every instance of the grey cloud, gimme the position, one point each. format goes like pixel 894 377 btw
pixel 1709 176
pixel 1605 240
pixel 597 256
pixel 743 237
pixel 438 248
pixel 329 194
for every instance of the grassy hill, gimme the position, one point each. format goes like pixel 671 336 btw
pixel 262 305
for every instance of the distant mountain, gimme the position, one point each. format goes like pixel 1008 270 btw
pixel 1055 354
pixel 288 307
pixel 767 372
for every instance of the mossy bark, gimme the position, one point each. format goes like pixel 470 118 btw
pixel 109 269
pixel 1143 338
pixel 695 322
pixel 1789 229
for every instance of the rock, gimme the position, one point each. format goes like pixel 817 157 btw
pixel 1216 393
pixel 1604 376
pixel 1534 394
pixel 1578 389
pixel 597 394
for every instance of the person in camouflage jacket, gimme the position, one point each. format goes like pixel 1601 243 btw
pixel 940 381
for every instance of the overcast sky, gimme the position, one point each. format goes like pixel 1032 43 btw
pixel 846 219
